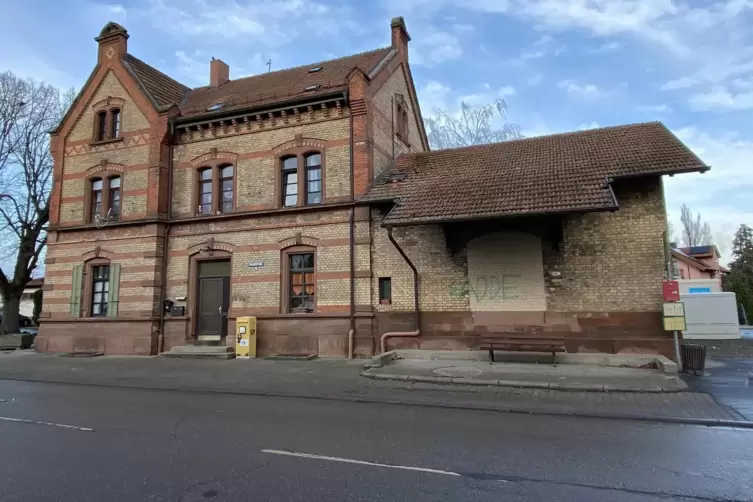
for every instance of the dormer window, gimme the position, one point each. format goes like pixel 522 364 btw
pixel 108 120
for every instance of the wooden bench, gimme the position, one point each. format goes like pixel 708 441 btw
pixel 523 342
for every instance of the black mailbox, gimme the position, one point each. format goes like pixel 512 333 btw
pixel 177 310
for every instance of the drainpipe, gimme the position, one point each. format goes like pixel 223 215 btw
pixel 352 230
pixel 171 134
pixel 351 333
pixel 402 334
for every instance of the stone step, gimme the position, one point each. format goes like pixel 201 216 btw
pixel 200 352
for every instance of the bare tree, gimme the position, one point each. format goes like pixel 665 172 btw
pixel 695 232
pixel 28 110
pixel 473 126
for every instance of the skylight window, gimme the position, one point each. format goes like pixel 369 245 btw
pixel 315 69
pixel 215 107
pixel 311 88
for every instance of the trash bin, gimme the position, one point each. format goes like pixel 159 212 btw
pixel 693 358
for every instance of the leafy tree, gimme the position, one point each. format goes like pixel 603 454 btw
pixel 740 278
pixel 473 126
pixel 28 110
pixel 695 232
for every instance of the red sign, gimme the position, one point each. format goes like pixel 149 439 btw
pixel 671 291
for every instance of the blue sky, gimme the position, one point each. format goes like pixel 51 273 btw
pixel 560 64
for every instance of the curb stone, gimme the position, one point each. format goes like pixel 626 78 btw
pixel 706 422
pixel 565 386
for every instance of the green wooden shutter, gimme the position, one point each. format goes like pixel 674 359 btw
pixel 114 288
pixel 77 280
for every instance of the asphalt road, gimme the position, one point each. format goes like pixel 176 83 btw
pixel 88 443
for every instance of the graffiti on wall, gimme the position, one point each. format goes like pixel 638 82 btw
pixel 487 287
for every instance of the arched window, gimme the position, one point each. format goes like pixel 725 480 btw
pixel 302 178
pixel 96 198
pixel 313 178
pixel 226 185
pixel 205 191
pixel 100 133
pixel 108 120
pixel 290 181
pixel 216 189
pixel 114 199
pixel 104 197
pixel 114 123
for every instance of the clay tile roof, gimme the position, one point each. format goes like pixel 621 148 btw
pixel 163 90
pixel 549 174
pixel 282 85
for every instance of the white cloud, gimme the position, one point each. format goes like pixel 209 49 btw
pixel 433 95
pixel 720 100
pixel 657 109
pixel 679 83
pixel 718 194
pixel 585 91
pixel 605 48
pixel 435 48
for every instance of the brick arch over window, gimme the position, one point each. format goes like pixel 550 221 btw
pixel 105 167
pixel 210 246
pixel 214 156
pixel 309 170
pixel 97 253
pixel 298 240
pixel 108 102
pixel 300 142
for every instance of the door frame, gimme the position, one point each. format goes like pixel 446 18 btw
pixel 193 286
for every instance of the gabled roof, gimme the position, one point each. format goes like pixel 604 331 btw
pixel 161 89
pixel 568 172
pixel 282 85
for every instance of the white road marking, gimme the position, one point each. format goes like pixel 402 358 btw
pixel 21 420
pixel 360 462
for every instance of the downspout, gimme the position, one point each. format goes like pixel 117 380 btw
pixel 401 334
pixel 351 244
pixel 171 133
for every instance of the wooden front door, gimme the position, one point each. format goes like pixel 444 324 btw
pixel 213 301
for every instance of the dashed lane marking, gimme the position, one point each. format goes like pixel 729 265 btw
pixel 49 424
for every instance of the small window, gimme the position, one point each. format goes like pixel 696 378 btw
pixel 290 182
pixel 385 290
pixel 315 70
pixel 226 185
pixel 101 133
pixel 96 199
pixel 401 118
pixel 100 290
pixel 114 123
pixel 205 191
pixel 314 179
pixel 114 201
pixel 302 286
pixel 311 88
pixel 215 107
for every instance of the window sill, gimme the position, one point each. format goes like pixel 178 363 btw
pixel 106 141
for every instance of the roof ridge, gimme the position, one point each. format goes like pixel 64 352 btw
pixel 555 135
pixel 128 54
pixel 313 65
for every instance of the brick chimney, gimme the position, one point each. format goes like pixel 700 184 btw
pixel 400 37
pixel 113 43
pixel 219 72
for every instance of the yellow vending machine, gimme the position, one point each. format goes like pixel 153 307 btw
pixel 245 337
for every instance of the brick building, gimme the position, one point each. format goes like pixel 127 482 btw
pixel 307 198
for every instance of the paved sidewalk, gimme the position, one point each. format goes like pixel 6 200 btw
pixel 584 377
pixel 340 380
